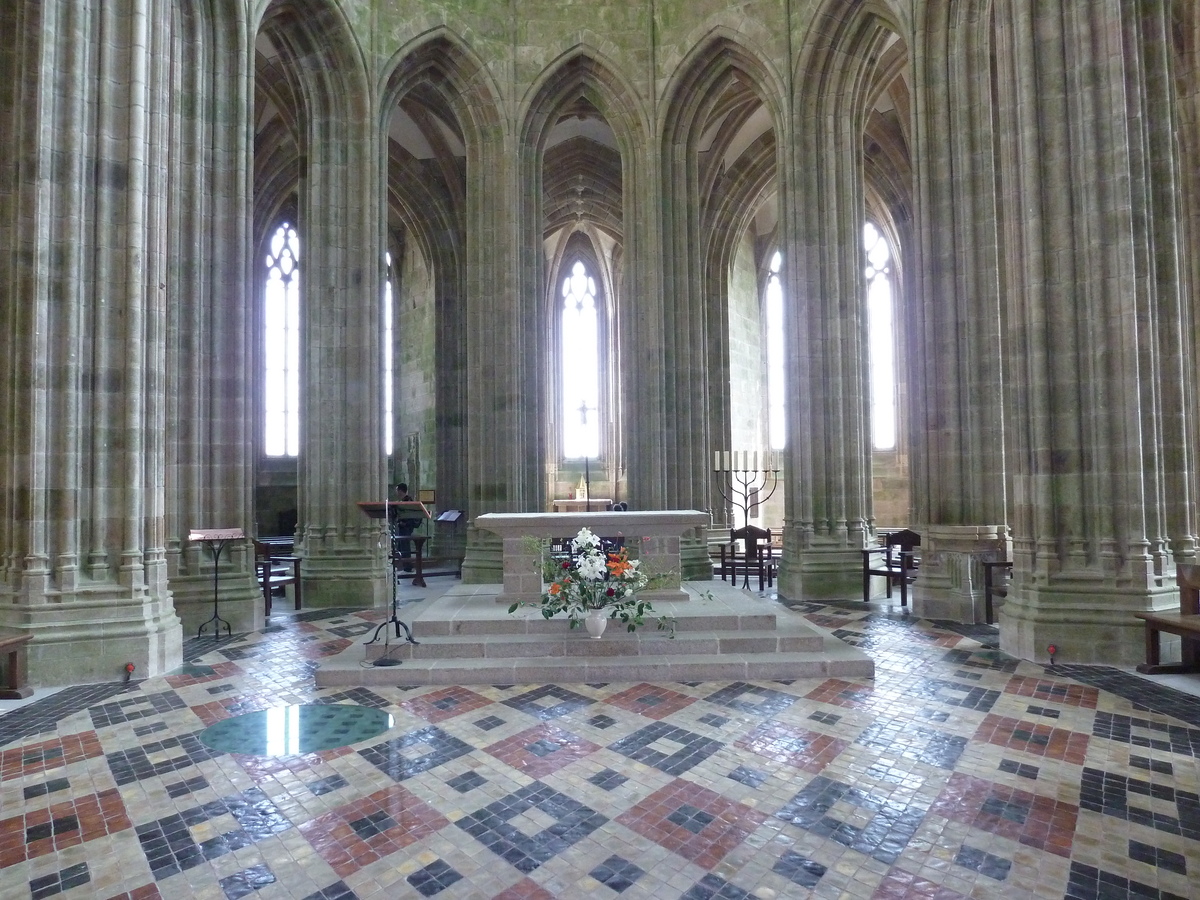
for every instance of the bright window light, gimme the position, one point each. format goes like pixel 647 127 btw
pixel 580 352
pixel 281 345
pixel 881 335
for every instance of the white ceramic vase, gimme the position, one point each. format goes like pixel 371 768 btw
pixel 597 621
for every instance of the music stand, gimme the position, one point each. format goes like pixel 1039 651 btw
pixel 451 517
pixel 216 539
pixel 380 510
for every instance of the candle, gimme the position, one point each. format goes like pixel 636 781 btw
pixel 716 460
pixel 726 460
pixel 755 466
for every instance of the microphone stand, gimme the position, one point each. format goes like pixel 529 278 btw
pixel 393 562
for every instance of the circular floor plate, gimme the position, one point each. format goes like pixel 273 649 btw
pixel 291 730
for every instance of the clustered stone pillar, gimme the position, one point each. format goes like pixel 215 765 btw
pixel 959 488
pixel 83 415
pixel 341 454
pixel 827 507
pixel 209 362
pixel 1095 331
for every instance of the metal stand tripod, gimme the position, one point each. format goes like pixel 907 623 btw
pixel 393 563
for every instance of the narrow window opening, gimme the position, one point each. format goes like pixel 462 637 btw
pixel 882 339
pixel 580 352
pixel 776 400
pixel 281 345
pixel 389 355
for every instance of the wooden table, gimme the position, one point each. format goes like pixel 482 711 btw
pixel 16 671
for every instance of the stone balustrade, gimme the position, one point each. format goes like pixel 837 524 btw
pixel 653 536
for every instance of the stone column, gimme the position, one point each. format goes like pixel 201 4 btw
pixel 950 583
pixel 959 488
pixel 84 101
pixel 209 369
pixel 503 355
pixel 341 341
pixel 828 500
pixel 1102 494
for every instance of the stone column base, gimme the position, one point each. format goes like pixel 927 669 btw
pixel 483 558
pixel 240 602
pixel 90 639
pixel 950 582
pixel 344 569
pixel 824 569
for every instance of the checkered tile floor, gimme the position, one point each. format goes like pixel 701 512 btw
pixel 957 772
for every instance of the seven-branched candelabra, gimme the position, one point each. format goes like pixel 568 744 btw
pixel 746 478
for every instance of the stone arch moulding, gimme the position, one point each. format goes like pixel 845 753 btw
pixel 718 52
pixel 322 46
pixel 442 51
pixel 585 68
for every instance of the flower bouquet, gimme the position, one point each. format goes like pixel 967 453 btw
pixel 593 581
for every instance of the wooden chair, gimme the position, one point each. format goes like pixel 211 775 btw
pixel 994 586
pixel 896 560
pixel 749 551
pixel 276 567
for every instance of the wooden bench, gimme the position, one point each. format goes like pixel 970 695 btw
pixel 15 685
pixel 1185 622
pixel 276 567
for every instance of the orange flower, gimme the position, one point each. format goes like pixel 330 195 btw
pixel 618 563
pixel 555 589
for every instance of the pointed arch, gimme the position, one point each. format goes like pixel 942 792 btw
pixel 321 60
pixel 691 85
pixel 584 71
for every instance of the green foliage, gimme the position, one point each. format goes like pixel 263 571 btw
pixel 593 580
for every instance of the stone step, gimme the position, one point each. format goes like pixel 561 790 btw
pixel 467 636
pixel 565 641
pixel 477 610
pixel 836 659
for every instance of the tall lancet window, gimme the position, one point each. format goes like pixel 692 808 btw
pixel 580 351
pixel 389 354
pixel 773 315
pixel 281 345
pixel 881 334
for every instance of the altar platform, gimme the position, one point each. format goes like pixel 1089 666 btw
pixel 721 633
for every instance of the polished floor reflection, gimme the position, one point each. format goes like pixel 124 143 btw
pixel 295 730
pixel 956 772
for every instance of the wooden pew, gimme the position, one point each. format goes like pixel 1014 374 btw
pixel 1185 623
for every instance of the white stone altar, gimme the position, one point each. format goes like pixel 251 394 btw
pixel 655 534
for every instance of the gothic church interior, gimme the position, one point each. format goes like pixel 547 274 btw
pixel 932 259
